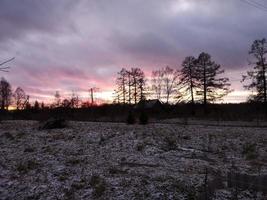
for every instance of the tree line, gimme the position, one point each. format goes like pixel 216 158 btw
pixel 20 100
pixel 18 97
pixel 200 80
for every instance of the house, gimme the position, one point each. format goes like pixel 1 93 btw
pixel 153 104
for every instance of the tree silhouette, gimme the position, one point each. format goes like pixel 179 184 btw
pixel 138 83
pixel 66 103
pixel 211 86
pixel 188 77
pixel 170 82
pixel 42 106
pixel 129 83
pixel 5 94
pixel 142 86
pixel 157 83
pixel 20 98
pixel 121 82
pixel 257 76
pixel 130 86
pixel 74 100
pixel 36 105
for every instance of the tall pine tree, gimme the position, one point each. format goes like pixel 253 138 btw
pixel 257 76
pixel 188 79
pixel 212 86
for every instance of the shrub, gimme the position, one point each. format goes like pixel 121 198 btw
pixel 115 170
pixel 53 124
pixel 9 136
pixel 143 118
pixel 29 149
pixel 171 143
pixel 140 147
pixel 25 167
pixel 250 151
pixel 73 161
pixel 98 184
pixel 78 185
pixel 130 118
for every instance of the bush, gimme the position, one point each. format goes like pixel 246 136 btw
pixel 53 123
pixel 25 167
pixel 143 118
pixel 98 184
pixel 130 118
pixel 250 151
pixel 171 143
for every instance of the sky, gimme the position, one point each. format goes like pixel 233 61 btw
pixel 68 45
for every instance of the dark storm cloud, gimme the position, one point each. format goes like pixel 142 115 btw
pixel 64 42
pixel 223 28
pixel 18 18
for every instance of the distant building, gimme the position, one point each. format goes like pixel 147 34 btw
pixel 153 104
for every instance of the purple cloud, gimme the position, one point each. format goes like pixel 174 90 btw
pixel 72 45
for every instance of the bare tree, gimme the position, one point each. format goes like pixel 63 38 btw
pixel 121 85
pixel 42 106
pixel 36 105
pixel 170 83
pixel 188 80
pixel 257 76
pixel 5 69
pixel 157 83
pixel 20 98
pixel 27 104
pixel 138 83
pixel 5 94
pixel 129 83
pixel 116 97
pixel 66 103
pixel 130 86
pixel 74 100
pixel 142 85
pixel 211 85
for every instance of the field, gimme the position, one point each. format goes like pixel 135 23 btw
pixel 90 160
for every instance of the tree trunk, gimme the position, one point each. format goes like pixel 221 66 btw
pixel 264 87
pixel 124 90
pixel 141 92
pixel 3 104
pixel 191 87
pixel 264 84
pixel 205 89
pixel 129 87
pixel 135 92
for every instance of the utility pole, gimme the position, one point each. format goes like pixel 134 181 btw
pixel 92 90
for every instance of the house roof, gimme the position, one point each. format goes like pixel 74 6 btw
pixel 149 103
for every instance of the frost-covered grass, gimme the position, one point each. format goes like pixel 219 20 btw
pixel 118 161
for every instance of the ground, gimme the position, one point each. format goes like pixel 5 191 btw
pixel 88 160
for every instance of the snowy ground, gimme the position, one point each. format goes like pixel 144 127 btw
pixel 118 161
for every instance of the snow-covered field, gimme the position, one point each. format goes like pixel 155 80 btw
pixel 90 160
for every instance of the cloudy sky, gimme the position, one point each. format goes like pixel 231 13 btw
pixel 68 45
